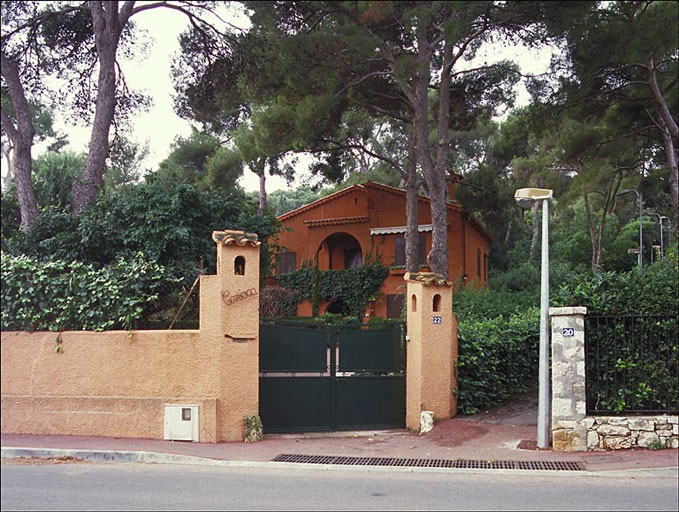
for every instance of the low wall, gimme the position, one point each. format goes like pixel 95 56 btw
pixel 116 383
pixel 572 429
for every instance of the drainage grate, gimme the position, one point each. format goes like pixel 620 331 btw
pixel 432 463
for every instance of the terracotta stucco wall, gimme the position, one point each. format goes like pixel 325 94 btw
pixel 116 383
pixel 431 348
pixel 383 207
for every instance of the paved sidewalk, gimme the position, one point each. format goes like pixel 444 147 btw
pixel 506 433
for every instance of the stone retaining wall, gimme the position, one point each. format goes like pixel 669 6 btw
pixel 572 429
pixel 616 432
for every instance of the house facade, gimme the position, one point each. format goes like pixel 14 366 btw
pixel 341 229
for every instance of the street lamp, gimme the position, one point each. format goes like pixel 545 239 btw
pixel 662 245
pixel 625 191
pixel 525 197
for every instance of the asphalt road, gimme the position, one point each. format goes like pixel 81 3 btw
pixel 181 487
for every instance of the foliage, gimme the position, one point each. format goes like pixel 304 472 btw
pixel 53 177
pixel 497 357
pixel 200 160
pixel 632 363
pixel 57 295
pixel 355 287
pixel 170 223
pixel 277 302
pixel 284 201
pixel 10 220
pixel 650 291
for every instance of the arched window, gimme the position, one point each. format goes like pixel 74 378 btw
pixel 436 303
pixel 239 266
pixel 413 302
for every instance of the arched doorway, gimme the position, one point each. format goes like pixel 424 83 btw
pixel 339 251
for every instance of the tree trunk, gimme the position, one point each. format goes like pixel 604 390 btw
pixel 434 172
pixel 21 137
pixel 670 137
pixel 412 234
pixel 536 231
pixel 592 234
pixel 7 180
pixel 106 36
pixel 671 155
pixel 262 188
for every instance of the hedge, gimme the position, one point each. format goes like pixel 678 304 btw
pixel 58 295
pixel 497 358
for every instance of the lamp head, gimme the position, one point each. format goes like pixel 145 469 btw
pixel 525 197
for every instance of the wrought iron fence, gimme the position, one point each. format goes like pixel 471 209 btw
pixel 632 364
pixel 176 307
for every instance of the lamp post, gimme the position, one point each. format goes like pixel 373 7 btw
pixel 525 197
pixel 662 245
pixel 639 256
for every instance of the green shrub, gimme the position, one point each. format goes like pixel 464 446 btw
pixel 497 357
pixel 170 223
pixel 650 291
pixel 57 295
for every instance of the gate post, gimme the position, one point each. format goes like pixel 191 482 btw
pixel 229 312
pixel 431 348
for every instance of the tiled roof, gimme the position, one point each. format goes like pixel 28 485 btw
pixel 451 205
pixel 335 221
pixel 241 238
pixel 321 201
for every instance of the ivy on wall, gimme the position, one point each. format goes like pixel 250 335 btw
pixel 355 287
pixel 58 295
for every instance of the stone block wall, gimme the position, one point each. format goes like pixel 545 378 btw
pixel 616 432
pixel 572 429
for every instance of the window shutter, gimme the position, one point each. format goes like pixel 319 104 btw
pixel 399 251
pixel 421 249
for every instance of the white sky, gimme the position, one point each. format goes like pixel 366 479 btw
pixel 160 125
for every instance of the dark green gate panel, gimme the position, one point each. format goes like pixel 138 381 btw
pixel 375 350
pixel 370 402
pixel 292 349
pixel 302 387
pixel 294 404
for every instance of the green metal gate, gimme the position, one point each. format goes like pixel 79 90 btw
pixel 331 377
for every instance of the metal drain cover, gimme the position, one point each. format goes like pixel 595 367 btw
pixel 529 465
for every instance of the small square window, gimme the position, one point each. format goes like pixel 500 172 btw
pixel 186 414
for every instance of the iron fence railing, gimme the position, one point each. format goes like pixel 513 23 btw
pixel 632 364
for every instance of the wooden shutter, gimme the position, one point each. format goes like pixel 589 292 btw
pixel 400 251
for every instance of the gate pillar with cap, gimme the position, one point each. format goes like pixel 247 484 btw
pixel 229 311
pixel 431 348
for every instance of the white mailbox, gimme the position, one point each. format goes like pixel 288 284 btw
pixel 181 423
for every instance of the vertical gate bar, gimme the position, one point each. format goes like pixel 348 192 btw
pixel 598 363
pixel 630 350
pixel 616 385
pixel 332 340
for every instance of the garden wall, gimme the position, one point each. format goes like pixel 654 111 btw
pixel 572 429
pixel 116 383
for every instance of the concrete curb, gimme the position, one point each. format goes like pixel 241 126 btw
pixel 106 456
pixel 144 457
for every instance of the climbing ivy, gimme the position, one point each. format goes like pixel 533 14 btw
pixel 356 287
pixel 59 295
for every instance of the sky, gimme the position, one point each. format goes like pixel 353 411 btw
pixel 159 126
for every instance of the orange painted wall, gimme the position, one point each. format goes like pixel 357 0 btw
pixel 116 383
pixel 377 206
